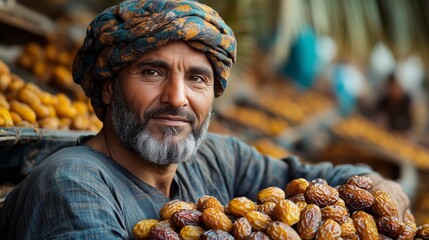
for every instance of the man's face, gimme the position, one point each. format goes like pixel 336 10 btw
pixel 162 102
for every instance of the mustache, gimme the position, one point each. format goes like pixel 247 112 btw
pixel 191 118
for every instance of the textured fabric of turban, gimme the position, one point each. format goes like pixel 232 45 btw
pixel 122 33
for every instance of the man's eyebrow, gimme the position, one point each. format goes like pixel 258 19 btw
pixel 152 62
pixel 202 70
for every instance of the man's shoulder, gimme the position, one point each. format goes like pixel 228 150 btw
pixel 70 160
pixel 217 141
pixel 75 165
pixel 216 138
pixel 221 147
pixel 75 153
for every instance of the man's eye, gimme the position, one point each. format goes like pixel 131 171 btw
pixel 151 72
pixel 197 78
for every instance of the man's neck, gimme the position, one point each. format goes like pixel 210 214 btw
pixel 159 177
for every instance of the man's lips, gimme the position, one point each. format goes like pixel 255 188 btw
pixel 171 120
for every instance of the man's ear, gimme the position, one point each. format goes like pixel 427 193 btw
pixel 107 92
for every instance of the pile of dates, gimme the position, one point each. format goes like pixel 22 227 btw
pixel 303 210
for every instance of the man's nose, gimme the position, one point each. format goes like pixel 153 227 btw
pixel 174 92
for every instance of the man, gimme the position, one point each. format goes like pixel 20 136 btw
pixel 394 110
pixel 152 69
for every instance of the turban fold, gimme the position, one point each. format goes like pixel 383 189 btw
pixel 122 33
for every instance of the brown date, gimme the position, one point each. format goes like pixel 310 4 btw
pixel 142 229
pixel 201 200
pixel 355 197
pixel 423 231
pixel 287 212
pixel 210 202
pixel 226 210
pixel 318 181
pixel 165 224
pixel 297 198
pixel 354 237
pixel 321 194
pixel 296 186
pixel 191 232
pixel 390 225
pixel 384 237
pixel 185 217
pixel 215 219
pixel 267 208
pixel 281 231
pixel 241 228
pixel 163 230
pixel 383 204
pixel 270 194
pixel 329 229
pixel 365 225
pixel 239 206
pixel 340 203
pixel 216 234
pixel 258 235
pixel 173 206
pixel 301 205
pixel 363 182
pixel 259 221
pixel 335 212
pixel 309 221
pixel 348 230
pixel 193 205
pixel 409 232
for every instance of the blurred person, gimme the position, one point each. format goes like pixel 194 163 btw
pixel 152 69
pixel 394 109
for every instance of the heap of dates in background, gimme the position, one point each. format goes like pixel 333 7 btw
pixel 303 210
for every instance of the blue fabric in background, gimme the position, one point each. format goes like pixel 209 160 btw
pixel 346 85
pixel 302 63
pixel 346 101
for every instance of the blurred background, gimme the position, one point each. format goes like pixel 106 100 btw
pixel 326 80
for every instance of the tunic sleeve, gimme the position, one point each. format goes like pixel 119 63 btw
pixel 254 171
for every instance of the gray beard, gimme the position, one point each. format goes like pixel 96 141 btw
pixel 134 133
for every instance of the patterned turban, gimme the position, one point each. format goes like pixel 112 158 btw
pixel 122 33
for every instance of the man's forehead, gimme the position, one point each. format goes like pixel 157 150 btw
pixel 171 51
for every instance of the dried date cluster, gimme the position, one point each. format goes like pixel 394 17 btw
pixel 303 210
